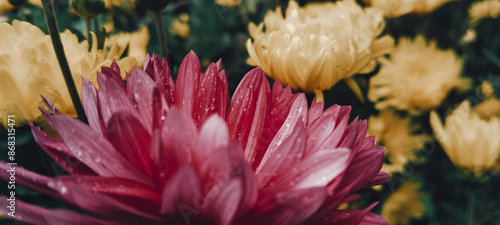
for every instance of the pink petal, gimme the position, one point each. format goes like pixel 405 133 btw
pixel 58 150
pixel 91 105
pixel 381 178
pixel 315 111
pixel 88 146
pixel 222 94
pixel 298 112
pixel 291 207
pixel 213 136
pixel 348 217
pixel 222 208
pixel 160 109
pixel 286 156
pixel 178 141
pixel 70 191
pixel 320 130
pixel 333 141
pixel 27 179
pixel 316 170
pixel 207 103
pixel 131 139
pixel 187 83
pixel 160 72
pixel 360 138
pixel 140 86
pixel 180 191
pixel 113 73
pixel 106 206
pixel 221 168
pixel 282 100
pixel 364 166
pixel 373 219
pixel 113 98
pixel 248 110
pixel 31 214
pixel 114 186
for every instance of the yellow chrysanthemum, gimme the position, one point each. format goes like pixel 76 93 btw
pixel 5 6
pixel 484 9
pixel 180 26
pixel 490 107
pixel 29 69
pixel 136 42
pixel 316 46
pixel 228 3
pixel 404 204
pixel 396 8
pixel 417 77
pixel 470 141
pixel 427 6
pixel 399 137
pixel 393 8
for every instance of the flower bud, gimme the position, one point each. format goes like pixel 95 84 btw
pixel 88 8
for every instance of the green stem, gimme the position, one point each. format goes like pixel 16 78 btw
pixel 160 29
pixel 89 35
pixel 51 20
pixel 470 208
pixel 98 33
pixel 96 26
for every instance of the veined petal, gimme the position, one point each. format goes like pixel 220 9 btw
pixel 317 170
pixel 114 186
pixel 207 103
pixel 140 89
pixel 298 112
pixel 178 139
pixel 315 111
pixel 60 152
pixel 131 139
pixel 180 191
pixel 248 110
pixel 213 136
pixel 222 208
pixel 160 72
pixel 286 156
pixel 113 72
pixel 222 94
pixel 113 98
pixel 31 214
pixel 187 83
pixel 91 105
pixel 90 147
pixel 281 103
pixel 381 178
pixel 320 129
pixel 290 207
pixel 348 217
pixel 358 174
pixel 335 137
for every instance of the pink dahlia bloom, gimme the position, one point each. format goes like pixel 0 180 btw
pixel 159 153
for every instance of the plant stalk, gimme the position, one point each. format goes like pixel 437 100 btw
pixel 51 20
pixel 89 35
pixel 160 29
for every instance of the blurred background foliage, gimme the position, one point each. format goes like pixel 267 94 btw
pixel 216 32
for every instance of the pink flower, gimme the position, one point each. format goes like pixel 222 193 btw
pixel 159 153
